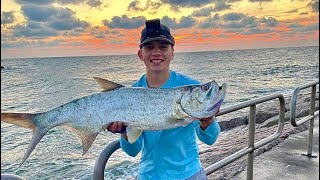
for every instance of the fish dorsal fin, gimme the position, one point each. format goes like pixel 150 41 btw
pixel 106 84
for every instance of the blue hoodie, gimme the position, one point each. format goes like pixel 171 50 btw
pixel 173 153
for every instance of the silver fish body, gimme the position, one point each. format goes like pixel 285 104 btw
pixel 138 108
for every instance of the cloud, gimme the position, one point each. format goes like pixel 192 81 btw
pixel 36 2
pixel 260 1
pixel 221 5
pixel 28 44
pixel 257 30
pixel 90 3
pixel 239 23
pixel 67 24
pixel 94 3
pixel 203 12
pixel 186 3
pixel 233 16
pixel 271 21
pixel 302 28
pixel 184 22
pixel 55 17
pixel 304 13
pixel 136 6
pixel 33 29
pixel 293 11
pixel 314 4
pixel 75 2
pixel 238 20
pixel 7 17
pixel 124 22
pixel 37 13
pixel 211 22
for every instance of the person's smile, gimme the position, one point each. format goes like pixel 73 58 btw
pixel 156 61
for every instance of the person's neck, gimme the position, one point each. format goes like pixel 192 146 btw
pixel 157 79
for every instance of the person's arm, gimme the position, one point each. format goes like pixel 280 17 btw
pixel 131 149
pixel 208 130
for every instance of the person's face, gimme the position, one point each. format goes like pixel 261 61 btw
pixel 156 55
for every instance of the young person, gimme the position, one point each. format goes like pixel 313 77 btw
pixel 173 153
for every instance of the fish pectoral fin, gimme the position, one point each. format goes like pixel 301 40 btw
pixel 106 84
pixel 133 134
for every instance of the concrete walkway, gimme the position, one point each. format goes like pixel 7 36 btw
pixel 285 162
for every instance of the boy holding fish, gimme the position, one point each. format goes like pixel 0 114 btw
pixel 171 153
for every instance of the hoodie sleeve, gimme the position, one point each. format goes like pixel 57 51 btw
pixel 131 149
pixel 210 134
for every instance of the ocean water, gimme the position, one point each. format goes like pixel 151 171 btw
pixel 40 84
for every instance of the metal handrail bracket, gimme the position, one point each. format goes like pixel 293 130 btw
pixel 293 106
pixel 310 117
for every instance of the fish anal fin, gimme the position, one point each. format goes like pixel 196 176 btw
pixel 87 140
pixel 87 137
pixel 106 84
pixel 133 134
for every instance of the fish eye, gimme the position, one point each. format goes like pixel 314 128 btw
pixel 204 87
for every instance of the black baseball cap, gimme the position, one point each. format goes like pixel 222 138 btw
pixel 154 30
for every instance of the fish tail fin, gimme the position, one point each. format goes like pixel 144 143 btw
pixel 26 120
pixel 36 137
pixel 19 119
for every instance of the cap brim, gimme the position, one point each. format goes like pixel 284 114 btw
pixel 156 39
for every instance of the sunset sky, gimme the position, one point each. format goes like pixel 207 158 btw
pixel 54 28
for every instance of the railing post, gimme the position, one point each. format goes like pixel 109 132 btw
pixel 311 122
pixel 252 127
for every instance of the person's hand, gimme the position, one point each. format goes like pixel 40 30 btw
pixel 205 122
pixel 209 118
pixel 116 127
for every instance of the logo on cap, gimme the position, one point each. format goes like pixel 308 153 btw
pixel 154 30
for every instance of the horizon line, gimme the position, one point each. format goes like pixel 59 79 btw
pixel 180 52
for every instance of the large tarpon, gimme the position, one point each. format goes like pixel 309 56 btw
pixel 138 108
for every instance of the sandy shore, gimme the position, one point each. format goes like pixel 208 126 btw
pixel 234 135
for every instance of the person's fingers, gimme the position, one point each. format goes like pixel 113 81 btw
pixel 116 127
pixel 109 127
pixel 113 127
pixel 119 126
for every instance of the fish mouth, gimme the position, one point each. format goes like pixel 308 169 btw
pixel 222 89
pixel 216 105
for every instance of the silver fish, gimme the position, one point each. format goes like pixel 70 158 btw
pixel 138 108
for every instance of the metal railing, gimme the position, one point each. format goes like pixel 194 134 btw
pixel 310 117
pixel 251 144
pixel 100 165
pixel 98 172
